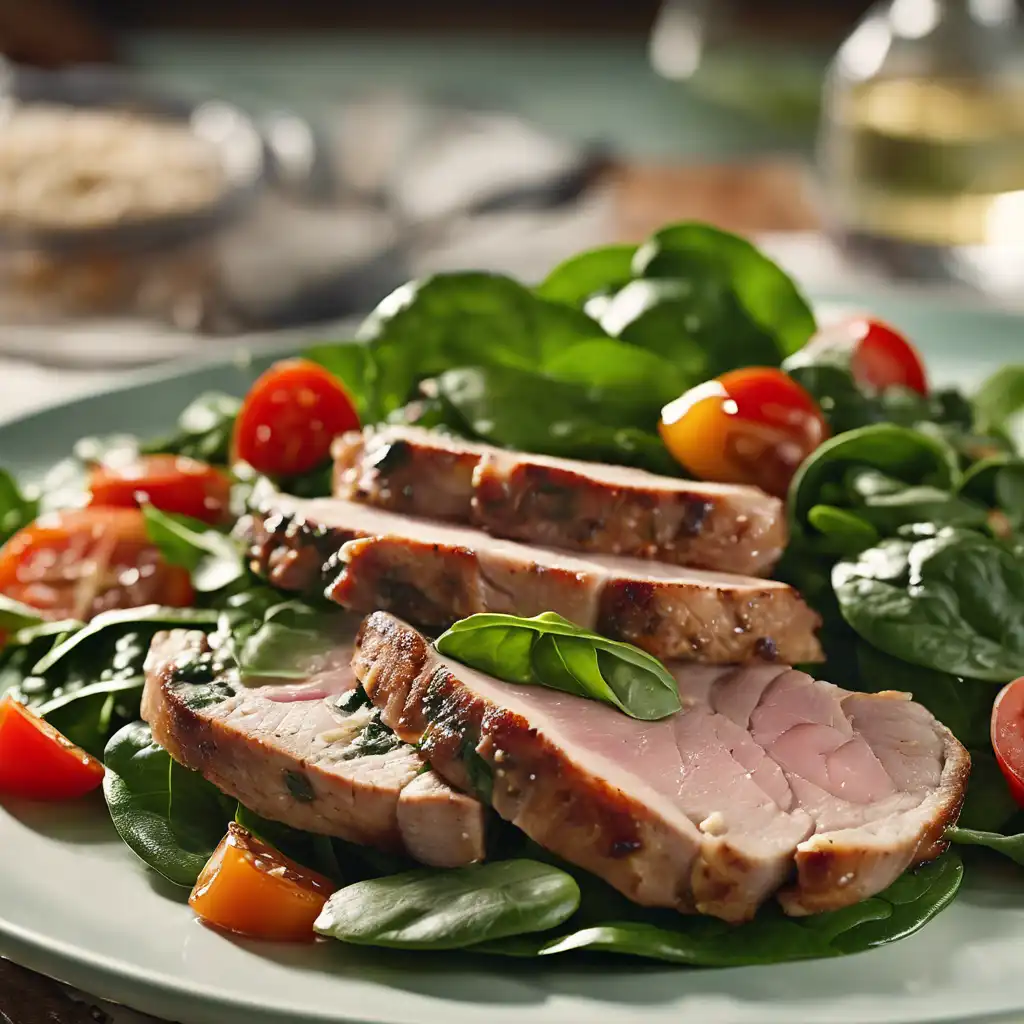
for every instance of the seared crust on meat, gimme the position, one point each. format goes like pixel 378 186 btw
pixel 561 503
pixel 288 767
pixel 532 783
pixel 435 579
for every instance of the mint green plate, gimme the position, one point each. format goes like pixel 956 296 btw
pixel 75 904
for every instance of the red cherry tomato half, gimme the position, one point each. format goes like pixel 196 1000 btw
pixel 171 483
pixel 78 563
pixel 290 417
pixel 1008 736
pixel 751 426
pixel 37 762
pixel 879 356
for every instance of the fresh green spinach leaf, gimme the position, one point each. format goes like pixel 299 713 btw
pixel 204 430
pixel 550 651
pixel 536 413
pixel 606 363
pixel 908 904
pixel 950 600
pixel 15 616
pixel 290 640
pixel 700 327
pixel 885 475
pixel 463 319
pixel 596 272
pixel 434 909
pixel 696 252
pixel 113 623
pixel 171 818
pixel 1008 846
pixel 17 509
pixel 213 559
pixel 999 405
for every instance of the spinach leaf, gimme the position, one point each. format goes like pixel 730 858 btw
pixel 171 818
pixel 951 600
pixel 16 508
pixel 204 430
pixel 999 405
pixel 113 623
pixel 596 272
pixel 550 651
pixel 214 560
pixel 352 364
pixel 908 904
pixel 695 252
pixel 884 475
pixel 15 616
pixel 432 909
pixel 606 363
pixel 700 326
pixel 291 639
pixel 537 413
pixel 462 319
pixel 1008 846
pixel 997 484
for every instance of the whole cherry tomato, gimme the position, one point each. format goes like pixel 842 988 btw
pixel 751 426
pixel 290 417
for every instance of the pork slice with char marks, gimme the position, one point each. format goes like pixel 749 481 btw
pixel 290 753
pixel 561 503
pixel 710 810
pixel 435 573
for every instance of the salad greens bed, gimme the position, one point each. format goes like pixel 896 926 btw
pixel 907 535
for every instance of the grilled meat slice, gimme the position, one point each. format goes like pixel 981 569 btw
pixel 433 573
pixel 767 778
pixel 291 754
pixel 561 503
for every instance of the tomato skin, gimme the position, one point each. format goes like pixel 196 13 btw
pixel 251 889
pixel 290 417
pixel 171 483
pixel 750 426
pixel 80 562
pixel 879 357
pixel 1008 736
pixel 37 762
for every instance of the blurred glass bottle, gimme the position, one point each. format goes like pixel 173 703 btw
pixel 922 139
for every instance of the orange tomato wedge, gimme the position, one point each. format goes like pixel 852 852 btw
pixel 251 889
pixel 38 762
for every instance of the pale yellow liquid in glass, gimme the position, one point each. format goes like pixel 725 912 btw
pixel 933 162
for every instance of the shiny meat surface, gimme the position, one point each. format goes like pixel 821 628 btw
pixel 433 573
pixel 561 503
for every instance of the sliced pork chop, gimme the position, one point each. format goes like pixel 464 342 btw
pixel 766 778
pixel 290 753
pixel 433 573
pixel 561 503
